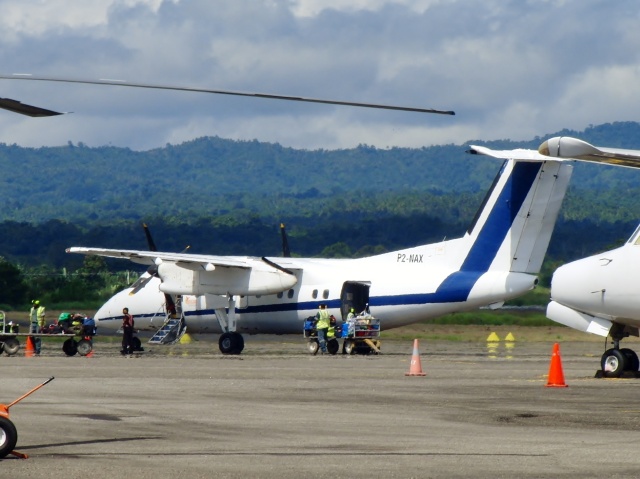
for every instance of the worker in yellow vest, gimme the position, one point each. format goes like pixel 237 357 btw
pixel 322 326
pixel 36 323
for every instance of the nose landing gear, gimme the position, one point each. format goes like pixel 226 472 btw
pixel 616 361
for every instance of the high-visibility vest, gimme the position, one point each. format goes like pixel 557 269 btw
pixel 323 319
pixel 41 320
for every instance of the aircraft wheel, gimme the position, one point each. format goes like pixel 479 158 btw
pixel 137 344
pixel 8 436
pixel 333 346
pixel 231 343
pixel 314 346
pixel 70 347
pixel 84 347
pixel 349 346
pixel 11 346
pixel 633 363
pixel 240 340
pixel 613 363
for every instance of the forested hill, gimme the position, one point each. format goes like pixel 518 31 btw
pixel 214 176
pixel 227 197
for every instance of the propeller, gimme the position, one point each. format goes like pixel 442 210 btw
pixel 152 272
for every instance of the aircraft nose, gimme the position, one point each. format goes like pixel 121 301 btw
pixel 579 284
pixel 111 312
pixel 147 302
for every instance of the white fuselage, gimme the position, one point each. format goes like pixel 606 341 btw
pixel 592 293
pixel 404 287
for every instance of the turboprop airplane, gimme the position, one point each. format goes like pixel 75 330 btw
pixel 599 294
pixel 497 259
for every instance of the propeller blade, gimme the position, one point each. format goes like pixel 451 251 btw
pixel 150 242
pixel 285 242
pixel 140 283
pixel 105 81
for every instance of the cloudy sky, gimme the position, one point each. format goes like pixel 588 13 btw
pixel 509 68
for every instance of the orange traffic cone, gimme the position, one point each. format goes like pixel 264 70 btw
pixel 556 376
pixel 30 348
pixel 416 368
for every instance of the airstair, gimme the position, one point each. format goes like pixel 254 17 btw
pixel 171 331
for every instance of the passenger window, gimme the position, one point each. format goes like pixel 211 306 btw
pixel 280 295
pixel 325 294
pixel 314 295
pixel 290 294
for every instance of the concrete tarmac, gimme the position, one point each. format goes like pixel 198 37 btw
pixel 186 411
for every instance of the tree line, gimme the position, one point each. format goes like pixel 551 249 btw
pixel 228 197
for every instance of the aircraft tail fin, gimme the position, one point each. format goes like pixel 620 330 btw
pixel 513 227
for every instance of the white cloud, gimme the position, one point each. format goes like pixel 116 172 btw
pixel 509 69
pixel 309 8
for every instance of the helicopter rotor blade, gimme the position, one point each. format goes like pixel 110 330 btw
pixel 113 82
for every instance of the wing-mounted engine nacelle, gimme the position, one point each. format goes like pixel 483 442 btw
pixel 197 279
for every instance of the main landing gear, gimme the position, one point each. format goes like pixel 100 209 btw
pixel 616 361
pixel 231 343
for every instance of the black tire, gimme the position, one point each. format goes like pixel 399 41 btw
pixel 11 346
pixel 313 346
pixel 613 363
pixel 240 340
pixel 633 363
pixel 8 437
pixel 349 346
pixel 84 347
pixel 231 343
pixel 333 346
pixel 70 347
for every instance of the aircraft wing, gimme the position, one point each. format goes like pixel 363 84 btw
pixel 572 148
pixel 183 273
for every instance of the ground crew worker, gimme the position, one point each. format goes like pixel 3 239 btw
pixel 322 326
pixel 127 332
pixel 36 324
